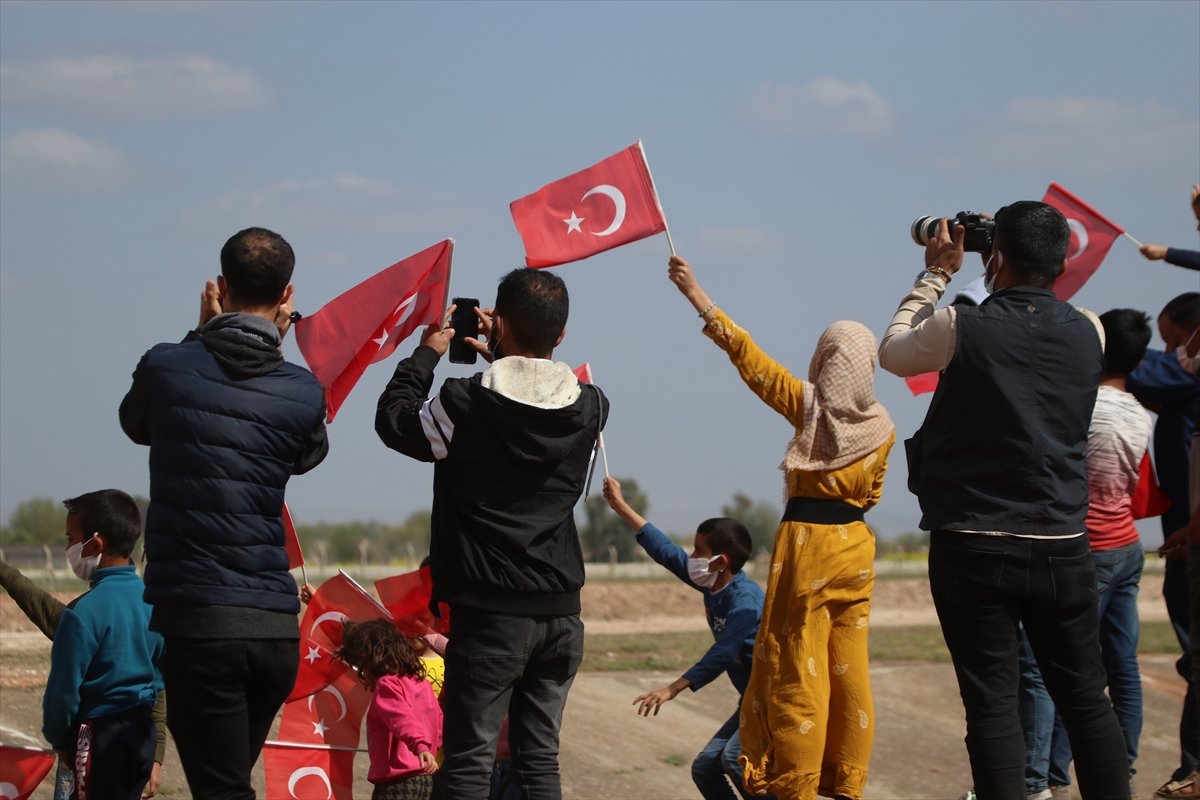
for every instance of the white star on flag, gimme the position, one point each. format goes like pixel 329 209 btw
pixel 314 653
pixel 319 727
pixel 573 223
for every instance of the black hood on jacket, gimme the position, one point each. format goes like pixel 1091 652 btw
pixel 245 346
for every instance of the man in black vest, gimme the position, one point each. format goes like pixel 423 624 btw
pixel 999 467
pixel 228 422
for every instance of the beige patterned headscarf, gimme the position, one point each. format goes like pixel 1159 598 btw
pixel 843 421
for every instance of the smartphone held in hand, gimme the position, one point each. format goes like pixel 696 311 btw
pixel 466 326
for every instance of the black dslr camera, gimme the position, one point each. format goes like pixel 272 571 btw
pixel 979 234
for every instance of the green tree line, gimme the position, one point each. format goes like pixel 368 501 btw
pixel 603 536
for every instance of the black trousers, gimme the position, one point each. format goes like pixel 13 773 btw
pixel 985 586
pixel 114 755
pixel 223 695
pixel 498 664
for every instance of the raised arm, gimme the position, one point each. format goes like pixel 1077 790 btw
pixel 768 379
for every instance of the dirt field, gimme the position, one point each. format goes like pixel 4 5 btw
pixel 609 752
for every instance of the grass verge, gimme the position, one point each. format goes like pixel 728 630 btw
pixel 616 652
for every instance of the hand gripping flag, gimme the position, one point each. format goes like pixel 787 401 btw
pixel 366 323
pixel 308 772
pixel 22 769
pixel 336 600
pixel 604 206
pixel 407 597
pixel 1091 237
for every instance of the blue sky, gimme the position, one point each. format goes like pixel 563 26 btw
pixel 792 145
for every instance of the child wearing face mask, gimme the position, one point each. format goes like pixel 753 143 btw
pixel 733 605
pixel 104 665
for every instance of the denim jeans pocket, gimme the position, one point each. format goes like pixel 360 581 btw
pixel 960 573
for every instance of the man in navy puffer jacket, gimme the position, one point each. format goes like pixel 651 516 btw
pixel 228 421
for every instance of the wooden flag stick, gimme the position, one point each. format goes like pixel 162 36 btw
pixel 654 189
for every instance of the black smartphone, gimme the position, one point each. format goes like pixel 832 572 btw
pixel 466 326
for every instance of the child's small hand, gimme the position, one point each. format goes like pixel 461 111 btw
pixel 306 593
pixel 654 700
pixel 428 763
pixel 612 493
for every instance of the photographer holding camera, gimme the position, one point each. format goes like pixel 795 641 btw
pixel 1006 502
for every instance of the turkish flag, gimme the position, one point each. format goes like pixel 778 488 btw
pixel 22 769
pixel 307 772
pixel 407 597
pixel 366 323
pixel 584 372
pixel 336 600
pixel 1091 236
pixel 1148 499
pixel 332 716
pixel 923 383
pixel 291 542
pixel 604 206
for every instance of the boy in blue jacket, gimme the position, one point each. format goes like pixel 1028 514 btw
pixel 733 605
pixel 104 665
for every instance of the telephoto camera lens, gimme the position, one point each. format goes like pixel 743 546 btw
pixel 924 229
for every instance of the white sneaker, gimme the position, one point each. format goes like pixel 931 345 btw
pixel 1044 794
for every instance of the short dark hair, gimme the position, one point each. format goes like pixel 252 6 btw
pixel 534 305
pixel 727 537
pixel 110 513
pixel 1184 310
pixel 1033 236
pixel 257 265
pixel 1126 335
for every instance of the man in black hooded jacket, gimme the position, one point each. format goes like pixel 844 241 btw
pixel 511 447
pixel 228 422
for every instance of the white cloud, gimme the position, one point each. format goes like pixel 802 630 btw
pixel 741 240
pixel 52 156
pixel 122 84
pixel 823 105
pixel 1083 135
pixel 341 202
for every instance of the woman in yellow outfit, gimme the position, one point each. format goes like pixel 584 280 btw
pixel 807 722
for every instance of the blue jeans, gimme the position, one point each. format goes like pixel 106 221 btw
pixel 1037 720
pixel 498 664
pixel 1118 576
pixel 984 589
pixel 718 761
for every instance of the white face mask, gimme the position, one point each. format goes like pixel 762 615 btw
pixel 83 566
pixel 698 572
pixel 1190 364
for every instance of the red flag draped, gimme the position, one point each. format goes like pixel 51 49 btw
pixel 291 542
pixel 604 206
pixel 1091 237
pixel 305 772
pixel 336 600
pixel 365 324
pixel 22 769
pixel 1148 499
pixel 407 597
pixel 332 716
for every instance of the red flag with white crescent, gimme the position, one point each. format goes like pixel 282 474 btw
pixel 604 206
pixel 365 324
pixel 336 600
pixel 22 769
pixel 1092 234
pixel 307 772
pixel 332 716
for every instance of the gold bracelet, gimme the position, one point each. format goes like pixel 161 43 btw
pixel 940 272
pixel 711 306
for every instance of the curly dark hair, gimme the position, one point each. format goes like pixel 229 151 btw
pixel 377 648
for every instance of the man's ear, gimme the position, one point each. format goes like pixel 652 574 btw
pixel 285 299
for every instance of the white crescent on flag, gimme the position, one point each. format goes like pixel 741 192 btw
pixel 305 772
pixel 326 617
pixel 618 199
pixel 1080 231
pixel 9 791
pixel 336 696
